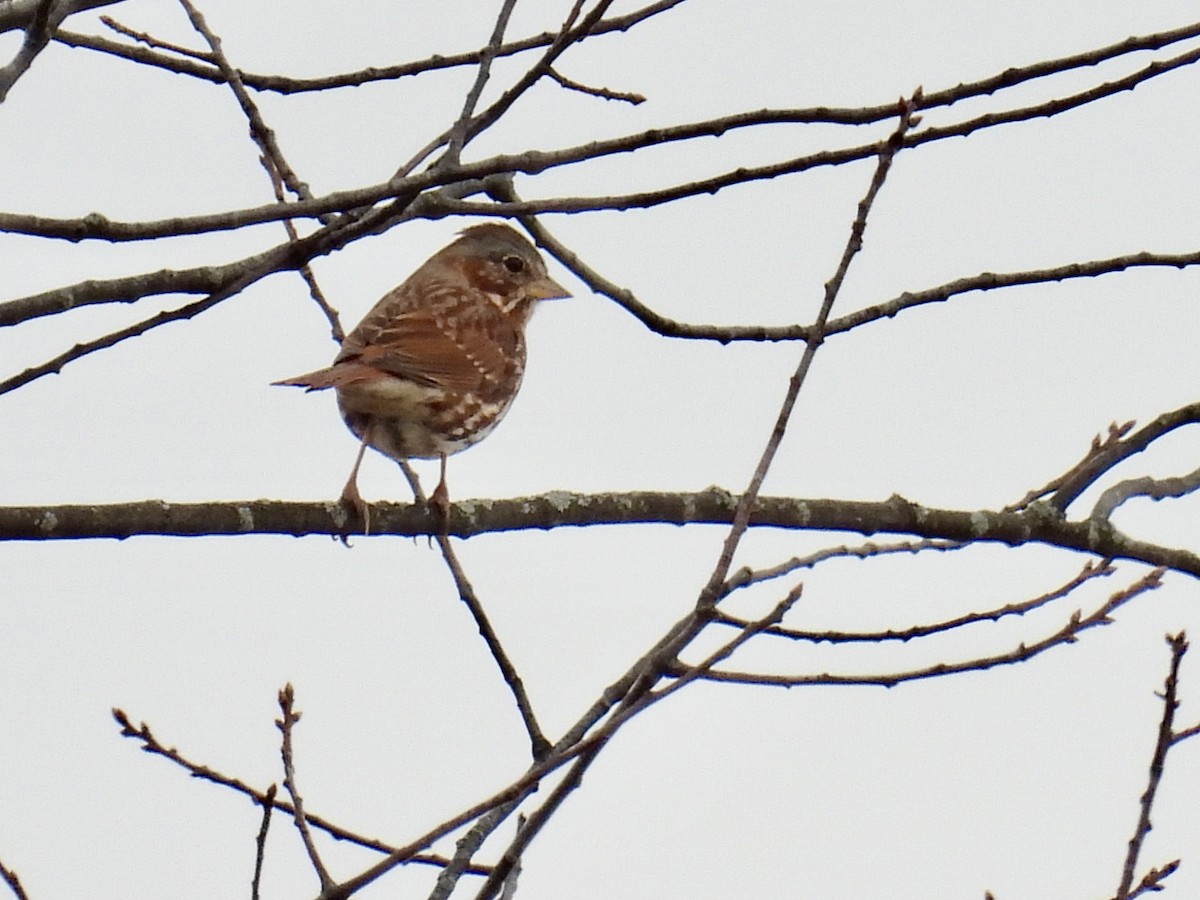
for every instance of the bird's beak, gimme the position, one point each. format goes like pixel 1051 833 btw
pixel 546 289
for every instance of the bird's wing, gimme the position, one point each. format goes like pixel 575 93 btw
pixel 432 349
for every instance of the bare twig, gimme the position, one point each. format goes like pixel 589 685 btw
pixel 466 592
pixel 306 271
pixel 661 657
pixel 573 745
pixel 287 85
pixel 1095 452
pixel 510 859
pixel 467 846
pixel 260 843
pixel 286 723
pixel 1152 881
pixel 1184 734
pixel 42 24
pixel 1118 447
pixel 289 255
pixel 1068 634
pixel 150 41
pixel 1154 488
pixel 746 577
pixel 1179 647
pixel 262 134
pixel 602 93
pixel 151 744
pixel 741 517
pixel 272 159
pixel 574 29
pixel 10 878
pixel 1090 571
pixel 467 129
pixel 510 883
pixel 458 131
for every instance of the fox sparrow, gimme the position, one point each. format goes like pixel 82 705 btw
pixel 435 364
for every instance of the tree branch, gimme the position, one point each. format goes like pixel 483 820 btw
pixel 1068 634
pixel 1179 647
pixel 286 85
pixel 560 509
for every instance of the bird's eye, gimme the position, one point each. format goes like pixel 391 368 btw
pixel 514 264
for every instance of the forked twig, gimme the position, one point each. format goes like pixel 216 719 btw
pixel 458 131
pixel 1067 634
pixel 1090 571
pixel 272 159
pixel 510 859
pixel 151 744
pixel 1170 697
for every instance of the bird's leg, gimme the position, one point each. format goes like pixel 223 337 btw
pixel 440 499
pixel 350 495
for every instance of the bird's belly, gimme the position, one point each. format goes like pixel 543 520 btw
pixel 412 420
pixel 388 397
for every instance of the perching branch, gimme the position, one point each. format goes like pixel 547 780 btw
pixel 561 509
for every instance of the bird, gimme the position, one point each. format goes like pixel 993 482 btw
pixel 436 363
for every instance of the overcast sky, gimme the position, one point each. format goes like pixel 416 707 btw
pixel 1023 780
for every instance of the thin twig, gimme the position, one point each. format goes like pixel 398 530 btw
pixel 1068 634
pixel 150 41
pixel 510 859
pixel 306 271
pixel 290 716
pixel 288 85
pixel 1055 486
pixel 289 255
pixel 151 744
pixel 603 93
pixel 466 592
pixel 1179 647
pixel 1118 447
pixel 260 843
pixel 748 174
pixel 458 131
pixel 574 29
pixel 510 883
pixel 741 516
pixel 1189 732
pixel 262 134
pixel 1145 486
pixel 990 85
pixel 1090 571
pixel 1152 881
pixel 474 126
pixel 10 878
pixel 746 577
pixel 278 170
pixel 467 846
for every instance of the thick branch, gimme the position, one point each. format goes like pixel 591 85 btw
pixel 561 509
